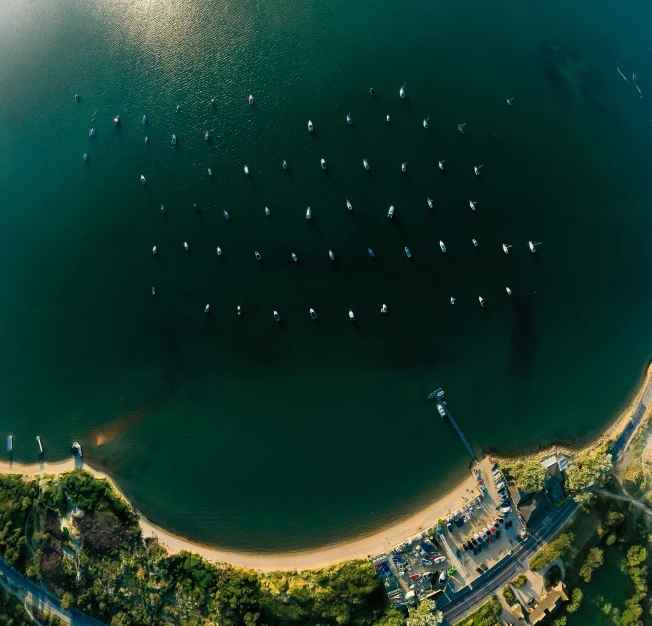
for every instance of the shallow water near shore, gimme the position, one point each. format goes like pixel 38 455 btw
pixel 257 436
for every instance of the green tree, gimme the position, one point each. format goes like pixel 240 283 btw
pixel 587 470
pixel 67 601
pixel 594 559
pixel 551 552
pixel 425 614
pixel 576 600
pixel 531 476
pixel 560 622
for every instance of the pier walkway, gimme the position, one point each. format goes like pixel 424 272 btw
pixel 438 395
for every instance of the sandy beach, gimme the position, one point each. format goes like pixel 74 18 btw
pixel 312 559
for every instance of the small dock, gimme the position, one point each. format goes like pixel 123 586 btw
pixel 438 395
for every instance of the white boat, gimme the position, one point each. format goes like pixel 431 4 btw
pixel 116 120
pixel 425 123
pixel 144 119
pixel 310 126
pixel 251 99
pixel 481 301
pixel 533 244
pixel 508 290
pixel 10 443
pixel 219 251
pixel 460 127
pixel 154 250
pixel 408 254
pixel 85 157
pixel 174 140
pixel 371 252
pixel 441 164
pixel 76 97
pixel 226 215
pixel 39 445
pixel 390 213
pixel 365 163
pixel 429 201
pixel 207 308
pixel 246 170
pixel 348 119
pixel 258 256
pixel 404 167
pixel 185 246
pixel 163 209
pixel 475 242
pixel 267 211
pixel 476 169
pixel 383 309
pixel 210 171
pixel 146 139
pixel 277 317
pixel 442 246
pixel 509 101
pixel 308 213
pixel 178 108
pixel 76 449
pixel 207 136
pixel 472 205
pixel 323 164
pixel 452 300
pixel 91 132
pixel 142 180
pixel 213 101
pixel 331 255
pixel 195 206
pixel 506 248
pixel 153 291
pixel 239 310
pixel 388 119
pixel 285 165
pixel 294 257
pixel 313 314
pixel 351 316
pixel 401 92
pixel 349 206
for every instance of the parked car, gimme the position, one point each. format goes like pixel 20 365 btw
pixel 479 570
pixel 475 551
pixel 484 567
pixel 439 559
pixel 497 534
pixel 465 547
pixel 443 577
pixel 449 527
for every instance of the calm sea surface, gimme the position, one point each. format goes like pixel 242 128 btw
pixel 253 435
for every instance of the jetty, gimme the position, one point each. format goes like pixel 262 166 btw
pixel 438 395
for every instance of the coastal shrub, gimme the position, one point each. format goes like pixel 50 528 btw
pixel 508 594
pixel 12 612
pixel 519 581
pixel 587 470
pixel 425 614
pixel 16 498
pixel 593 560
pixel 530 476
pixel 634 480
pixel 576 600
pixel 487 615
pixel 552 551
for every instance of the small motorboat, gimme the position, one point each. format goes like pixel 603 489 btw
pixel 509 101
pixel 389 119
pixel 10 443
pixel 331 255
pixel 195 206
pixel 258 256
pixel 239 310
pixel 349 206
pixel 472 205
pixel 371 91
pixel 348 119
pixel 146 139
pixel 452 300
pixel 533 244
pixel 144 119
pixel 365 163
pixel 174 140
pixel 441 164
pixel 154 250
pixel 390 213
pixel 207 136
pixel 408 254
pixel 404 167
pixel 163 209
pixel 178 108
pixel 508 290
pixel 267 211
pixel 476 169
pixel 91 132
pixel 323 164
pixel 210 171
pixel 39 445
pixel 85 157
pixel 251 99
pixel 460 127
pixel 213 101
pixel 153 291
pixel 425 123
pixel 116 120
pixel 246 170
pixel 371 252
pixel 277 317
pixel 506 248
pixel 308 213
pixel 429 201
pixel 219 251
pixel 285 165
pixel 76 450
pixel 143 180
pixel 207 308
pixel 313 314
pixel 475 242
pixel 383 309
pixel 76 97
pixel 310 126
pixel 481 301
pixel 185 246
pixel 442 246
pixel 294 257
pixel 226 215
pixel 401 91
pixel 351 316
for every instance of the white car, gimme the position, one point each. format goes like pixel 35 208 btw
pixel 439 559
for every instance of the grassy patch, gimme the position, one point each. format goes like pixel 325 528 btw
pixel 508 594
pixel 487 615
pixel 519 581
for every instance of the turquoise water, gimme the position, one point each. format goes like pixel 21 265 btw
pixel 252 435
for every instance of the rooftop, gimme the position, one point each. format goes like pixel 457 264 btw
pixel 549 603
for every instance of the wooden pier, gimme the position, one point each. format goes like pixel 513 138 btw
pixel 438 395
